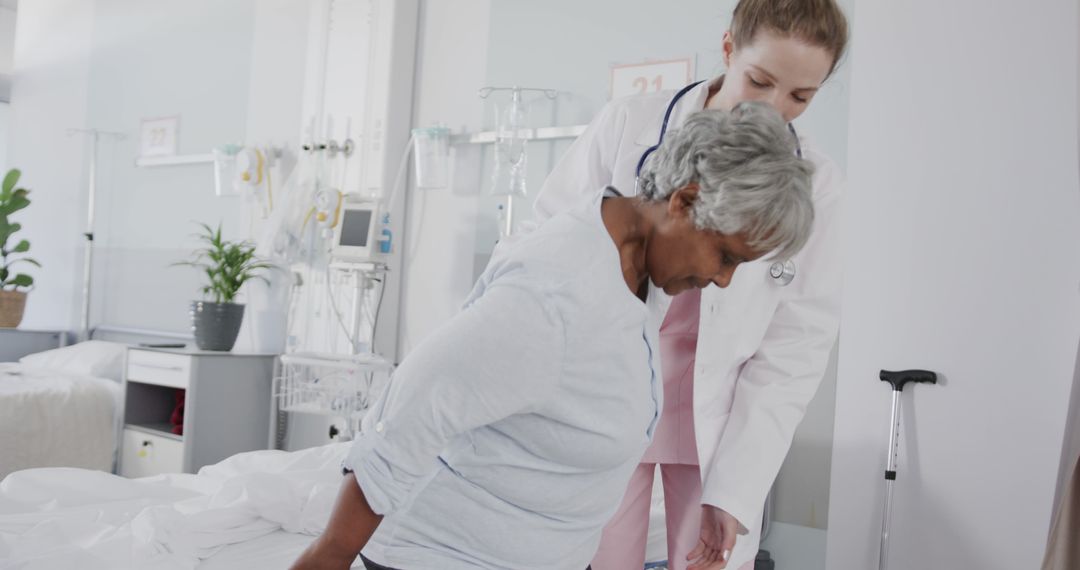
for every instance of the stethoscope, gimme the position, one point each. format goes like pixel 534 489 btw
pixel 781 272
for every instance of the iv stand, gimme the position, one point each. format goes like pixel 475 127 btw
pixel 88 257
pixel 484 93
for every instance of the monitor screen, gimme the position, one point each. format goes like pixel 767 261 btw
pixel 355 228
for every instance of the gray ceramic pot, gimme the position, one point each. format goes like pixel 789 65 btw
pixel 216 324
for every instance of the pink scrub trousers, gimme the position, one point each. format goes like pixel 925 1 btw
pixel 622 546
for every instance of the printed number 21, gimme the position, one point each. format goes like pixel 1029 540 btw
pixel 642 84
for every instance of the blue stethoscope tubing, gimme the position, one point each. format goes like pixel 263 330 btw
pixel 783 272
pixel 667 118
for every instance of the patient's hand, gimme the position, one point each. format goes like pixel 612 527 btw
pixel 351 525
pixel 321 556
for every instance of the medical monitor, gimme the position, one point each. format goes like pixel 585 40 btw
pixel 354 236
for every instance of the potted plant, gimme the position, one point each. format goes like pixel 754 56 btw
pixel 12 300
pixel 227 265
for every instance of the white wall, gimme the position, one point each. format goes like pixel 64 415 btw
pixel 800 494
pixel 7 50
pixel 278 50
pixel 7 39
pixel 49 96
pixel 235 77
pixel 451 66
pixel 1071 447
pixel 231 78
pixel 153 61
pixel 962 247
pixel 5 120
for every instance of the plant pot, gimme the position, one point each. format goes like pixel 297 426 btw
pixel 12 304
pixel 216 324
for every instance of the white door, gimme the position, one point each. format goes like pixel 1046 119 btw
pixel 963 250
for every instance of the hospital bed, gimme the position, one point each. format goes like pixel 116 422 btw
pixel 253 510
pixel 59 408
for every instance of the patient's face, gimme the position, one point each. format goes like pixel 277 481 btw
pixel 682 257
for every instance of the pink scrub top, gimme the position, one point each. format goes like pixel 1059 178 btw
pixel 673 441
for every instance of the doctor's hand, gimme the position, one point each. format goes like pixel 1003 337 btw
pixel 718 533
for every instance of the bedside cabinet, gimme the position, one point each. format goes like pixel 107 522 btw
pixel 226 408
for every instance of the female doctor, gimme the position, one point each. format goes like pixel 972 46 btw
pixel 740 364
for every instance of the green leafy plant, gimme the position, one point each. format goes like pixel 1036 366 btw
pixel 13 199
pixel 228 265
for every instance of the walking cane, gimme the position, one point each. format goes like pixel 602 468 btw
pixel 897 379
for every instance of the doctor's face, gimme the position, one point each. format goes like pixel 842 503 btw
pixel 681 257
pixel 782 71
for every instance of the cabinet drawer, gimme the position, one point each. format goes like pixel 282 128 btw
pixel 145 454
pixel 161 368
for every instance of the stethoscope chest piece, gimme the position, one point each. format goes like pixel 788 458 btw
pixel 783 272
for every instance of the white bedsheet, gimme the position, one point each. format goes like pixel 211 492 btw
pixel 68 518
pixel 51 418
pixel 274 551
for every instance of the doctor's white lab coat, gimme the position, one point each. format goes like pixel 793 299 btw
pixel 762 348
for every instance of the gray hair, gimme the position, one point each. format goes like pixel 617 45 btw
pixel 749 179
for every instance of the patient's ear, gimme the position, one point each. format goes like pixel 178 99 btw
pixel 681 201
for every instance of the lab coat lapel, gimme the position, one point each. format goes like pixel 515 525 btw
pixel 690 103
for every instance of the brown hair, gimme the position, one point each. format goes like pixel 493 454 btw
pixel 817 22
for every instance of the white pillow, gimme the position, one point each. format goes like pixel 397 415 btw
pixel 91 358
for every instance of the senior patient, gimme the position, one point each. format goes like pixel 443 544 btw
pixel 507 438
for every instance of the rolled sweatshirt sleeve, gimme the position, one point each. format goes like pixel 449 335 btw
pixel 502 355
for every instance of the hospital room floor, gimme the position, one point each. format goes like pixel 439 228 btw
pixel 791 546
pixel 796 547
